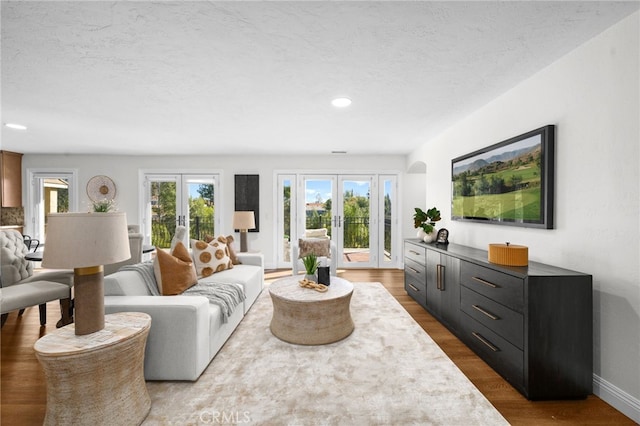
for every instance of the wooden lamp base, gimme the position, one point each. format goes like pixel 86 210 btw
pixel 88 289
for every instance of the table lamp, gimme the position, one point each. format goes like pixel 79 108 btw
pixel 243 220
pixel 86 242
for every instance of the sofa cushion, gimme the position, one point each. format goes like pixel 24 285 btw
pixel 251 278
pixel 211 258
pixel 174 272
pixel 125 283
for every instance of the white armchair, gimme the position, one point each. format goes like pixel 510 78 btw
pixel 332 260
pixel 135 247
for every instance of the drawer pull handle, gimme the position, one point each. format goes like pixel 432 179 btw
pixel 487 283
pixel 414 270
pixel 485 341
pixel 490 315
pixel 414 252
pixel 414 287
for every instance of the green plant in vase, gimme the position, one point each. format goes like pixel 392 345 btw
pixel 311 264
pixel 425 223
pixel 103 206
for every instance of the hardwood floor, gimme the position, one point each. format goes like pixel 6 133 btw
pixel 23 390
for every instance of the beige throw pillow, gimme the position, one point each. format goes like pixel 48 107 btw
pixel 174 272
pixel 211 258
pixel 316 233
pixel 317 246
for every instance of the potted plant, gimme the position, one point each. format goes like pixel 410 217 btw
pixel 425 223
pixel 311 264
pixel 103 206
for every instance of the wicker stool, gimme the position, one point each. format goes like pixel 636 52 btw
pixel 98 378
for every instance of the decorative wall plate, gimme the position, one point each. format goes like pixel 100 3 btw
pixel 100 188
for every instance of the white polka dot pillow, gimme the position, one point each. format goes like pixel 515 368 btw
pixel 211 258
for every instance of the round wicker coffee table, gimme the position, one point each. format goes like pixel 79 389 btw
pixel 307 317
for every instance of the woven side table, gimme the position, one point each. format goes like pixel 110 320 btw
pixel 98 378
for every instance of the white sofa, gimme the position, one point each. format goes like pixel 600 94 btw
pixel 186 331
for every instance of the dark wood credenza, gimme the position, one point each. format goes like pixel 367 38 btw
pixel 533 325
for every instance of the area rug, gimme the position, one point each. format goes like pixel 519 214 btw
pixel 387 372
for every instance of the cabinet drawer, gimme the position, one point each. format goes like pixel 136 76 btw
pixel 415 253
pixel 415 270
pixel 503 288
pixel 500 319
pixel 416 289
pixel 501 355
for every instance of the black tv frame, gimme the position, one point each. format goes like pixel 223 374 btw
pixel 489 157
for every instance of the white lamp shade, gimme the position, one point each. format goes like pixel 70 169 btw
pixel 82 240
pixel 244 220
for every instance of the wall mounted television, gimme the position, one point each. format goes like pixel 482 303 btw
pixel 509 183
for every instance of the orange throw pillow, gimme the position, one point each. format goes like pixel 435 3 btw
pixel 174 272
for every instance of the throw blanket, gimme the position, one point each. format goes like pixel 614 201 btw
pixel 226 295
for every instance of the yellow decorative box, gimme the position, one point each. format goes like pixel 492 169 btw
pixel 509 254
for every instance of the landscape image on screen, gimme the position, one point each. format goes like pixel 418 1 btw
pixel 502 184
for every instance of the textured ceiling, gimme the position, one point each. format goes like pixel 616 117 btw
pixel 258 77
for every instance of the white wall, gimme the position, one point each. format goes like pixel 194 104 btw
pixel 124 171
pixel 592 96
pixel 415 183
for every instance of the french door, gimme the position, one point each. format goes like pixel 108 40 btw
pixel 180 199
pixel 357 211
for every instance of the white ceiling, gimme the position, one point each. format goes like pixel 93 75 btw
pixel 258 77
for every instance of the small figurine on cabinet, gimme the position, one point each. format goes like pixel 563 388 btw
pixel 442 237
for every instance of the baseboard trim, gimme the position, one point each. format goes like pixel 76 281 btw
pixel 617 398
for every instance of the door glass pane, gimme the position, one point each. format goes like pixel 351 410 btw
pixel 286 216
pixel 388 210
pixel 51 195
pixel 201 208
pixel 163 213
pixel 56 197
pixel 318 201
pixel 356 216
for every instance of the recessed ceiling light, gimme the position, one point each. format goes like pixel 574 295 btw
pixel 15 126
pixel 341 102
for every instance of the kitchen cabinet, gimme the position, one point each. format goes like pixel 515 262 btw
pixel 10 179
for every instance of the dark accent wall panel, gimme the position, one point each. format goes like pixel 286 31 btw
pixel 247 196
